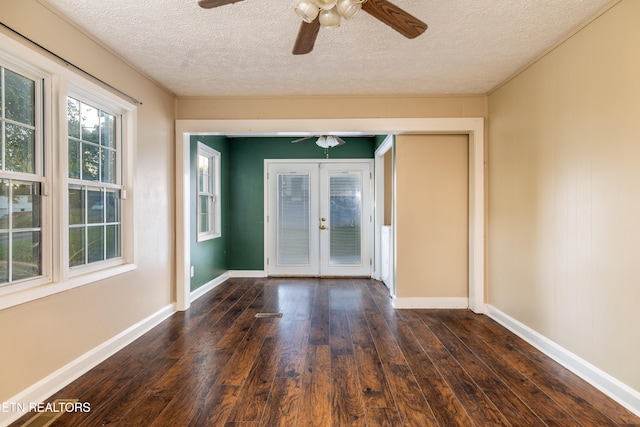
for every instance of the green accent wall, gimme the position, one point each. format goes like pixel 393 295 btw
pixel 209 258
pixel 246 186
pixel 379 139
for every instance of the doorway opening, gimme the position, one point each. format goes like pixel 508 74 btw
pixel 472 126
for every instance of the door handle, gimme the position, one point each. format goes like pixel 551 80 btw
pixel 322 227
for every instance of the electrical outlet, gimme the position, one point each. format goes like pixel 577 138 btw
pixel 193 271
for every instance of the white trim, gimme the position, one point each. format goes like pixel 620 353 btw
pixel 472 126
pixel 379 202
pixel 612 387
pixel 248 273
pixel 443 302
pixel 209 286
pixel 183 243
pixel 57 380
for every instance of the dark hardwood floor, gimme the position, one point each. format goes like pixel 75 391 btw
pixel 339 356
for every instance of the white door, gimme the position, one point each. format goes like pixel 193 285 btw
pixel 319 219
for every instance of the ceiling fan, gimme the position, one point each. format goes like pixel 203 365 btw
pixel 324 141
pixel 327 13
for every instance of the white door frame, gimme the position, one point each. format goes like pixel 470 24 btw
pixel 472 126
pixel 369 242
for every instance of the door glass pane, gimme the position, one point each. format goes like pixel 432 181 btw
pixel 345 219
pixel 293 219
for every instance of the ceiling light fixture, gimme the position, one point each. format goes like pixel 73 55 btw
pixel 328 12
pixel 327 141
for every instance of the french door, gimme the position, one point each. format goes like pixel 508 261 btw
pixel 319 218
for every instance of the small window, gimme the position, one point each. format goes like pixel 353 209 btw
pixel 208 165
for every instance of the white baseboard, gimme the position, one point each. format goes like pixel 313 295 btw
pixel 247 273
pixel 55 381
pixel 208 286
pixel 444 302
pixel 612 387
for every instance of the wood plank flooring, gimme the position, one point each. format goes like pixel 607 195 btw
pixel 339 356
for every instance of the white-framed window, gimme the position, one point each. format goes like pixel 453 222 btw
pixel 208 183
pixel 22 215
pixel 67 155
pixel 94 184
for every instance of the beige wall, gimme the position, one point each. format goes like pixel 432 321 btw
pixel 564 194
pixel 432 177
pixel 331 107
pixel 39 337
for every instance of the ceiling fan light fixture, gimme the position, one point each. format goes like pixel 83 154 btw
pixel 326 4
pixel 307 10
pixel 332 141
pixel 348 8
pixel 329 18
pixel 327 141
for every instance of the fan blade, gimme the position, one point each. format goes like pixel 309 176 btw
pixel 390 14
pixel 307 35
pixel 210 4
pixel 303 139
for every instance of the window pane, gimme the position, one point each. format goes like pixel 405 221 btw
pixel 25 205
pixel 108 173
pixel 4 204
pixel 204 171
pixel 26 255
pixel 113 241
pixel 95 246
pixel 74 158
pixel 20 94
pixel 90 162
pixel 73 117
pixel 89 121
pixel 4 258
pixel 204 214
pixel 76 246
pixel 95 202
pixel 20 148
pixel 112 206
pixel 107 130
pixel 76 205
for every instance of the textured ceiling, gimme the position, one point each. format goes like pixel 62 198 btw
pixel 244 49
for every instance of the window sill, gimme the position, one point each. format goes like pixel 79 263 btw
pixel 30 294
pixel 205 237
